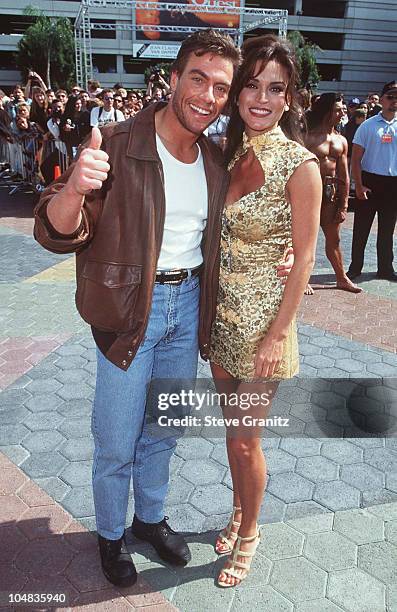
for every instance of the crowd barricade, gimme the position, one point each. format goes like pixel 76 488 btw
pixel 29 162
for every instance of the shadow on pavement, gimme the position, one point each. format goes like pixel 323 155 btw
pixel 19 205
pixel 35 560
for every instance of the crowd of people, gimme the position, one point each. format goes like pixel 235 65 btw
pixel 58 121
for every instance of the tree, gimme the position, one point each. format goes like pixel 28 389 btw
pixel 47 47
pixel 309 75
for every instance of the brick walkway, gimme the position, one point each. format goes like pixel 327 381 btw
pixel 329 540
pixel 364 317
pixel 44 550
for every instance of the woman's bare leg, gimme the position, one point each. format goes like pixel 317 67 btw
pixel 248 468
pixel 225 383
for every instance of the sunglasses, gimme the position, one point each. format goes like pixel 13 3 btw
pixel 391 96
pixel 108 98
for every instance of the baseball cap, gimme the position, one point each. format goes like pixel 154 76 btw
pixel 354 101
pixel 389 87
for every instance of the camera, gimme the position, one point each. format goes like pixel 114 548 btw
pixel 157 72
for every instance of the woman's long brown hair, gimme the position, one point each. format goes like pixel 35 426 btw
pixel 264 49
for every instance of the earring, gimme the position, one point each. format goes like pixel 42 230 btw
pixel 286 108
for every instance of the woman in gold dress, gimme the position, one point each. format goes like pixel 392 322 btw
pixel 273 202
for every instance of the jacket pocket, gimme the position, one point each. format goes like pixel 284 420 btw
pixel 106 294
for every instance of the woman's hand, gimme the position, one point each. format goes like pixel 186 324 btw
pixel 285 267
pixel 268 356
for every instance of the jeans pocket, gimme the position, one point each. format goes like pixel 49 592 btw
pixel 192 283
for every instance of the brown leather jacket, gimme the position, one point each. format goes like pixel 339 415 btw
pixel 118 243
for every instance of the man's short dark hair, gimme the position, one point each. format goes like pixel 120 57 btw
pixel 206 41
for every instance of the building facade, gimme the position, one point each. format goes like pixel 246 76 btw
pixel 357 38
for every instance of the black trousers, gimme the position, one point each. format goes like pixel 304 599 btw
pixel 381 200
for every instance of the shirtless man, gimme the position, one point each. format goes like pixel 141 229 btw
pixel 331 150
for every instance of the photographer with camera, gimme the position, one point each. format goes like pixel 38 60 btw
pixel 157 86
pixel 34 80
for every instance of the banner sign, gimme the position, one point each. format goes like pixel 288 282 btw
pixel 155 50
pixel 159 17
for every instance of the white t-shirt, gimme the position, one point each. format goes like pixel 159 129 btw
pixel 186 210
pixel 53 128
pixel 98 118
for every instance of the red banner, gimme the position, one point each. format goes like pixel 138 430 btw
pixel 155 16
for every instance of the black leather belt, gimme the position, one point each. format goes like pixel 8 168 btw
pixel 175 277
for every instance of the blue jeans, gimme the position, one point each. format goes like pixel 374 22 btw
pixel 124 442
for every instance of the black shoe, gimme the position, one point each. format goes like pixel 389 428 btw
pixel 352 274
pixel 390 276
pixel 117 565
pixel 170 546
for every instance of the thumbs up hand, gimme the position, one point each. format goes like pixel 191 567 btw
pixel 91 168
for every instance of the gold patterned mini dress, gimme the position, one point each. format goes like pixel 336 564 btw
pixel 256 230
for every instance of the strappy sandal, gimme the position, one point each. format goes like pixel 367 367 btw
pixel 226 539
pixel 231 571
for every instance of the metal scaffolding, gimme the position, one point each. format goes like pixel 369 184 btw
pixel 84 26
pixel 83 51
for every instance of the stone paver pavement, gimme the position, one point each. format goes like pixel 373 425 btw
pixel 44 550
pixel 329 513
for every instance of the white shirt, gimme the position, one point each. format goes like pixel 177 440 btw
pixel 53 128
pixel 98 118
pixel 186 210
pixel 378 138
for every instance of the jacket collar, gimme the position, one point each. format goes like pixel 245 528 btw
pixel 142 138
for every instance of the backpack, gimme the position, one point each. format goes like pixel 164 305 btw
pixel 101 123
